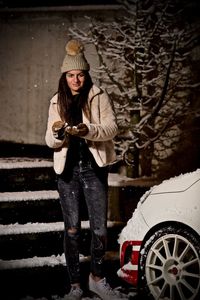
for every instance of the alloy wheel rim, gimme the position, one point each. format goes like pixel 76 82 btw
pixel 173 268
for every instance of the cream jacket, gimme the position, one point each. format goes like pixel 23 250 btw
pixel 102 126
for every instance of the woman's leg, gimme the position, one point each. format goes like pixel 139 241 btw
pixel 70 193
pixel 95 192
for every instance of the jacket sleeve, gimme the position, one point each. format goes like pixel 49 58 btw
pixel 53 116
pixel 103 126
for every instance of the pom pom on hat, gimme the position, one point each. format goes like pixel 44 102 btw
pixel 75 58
pixel 74 47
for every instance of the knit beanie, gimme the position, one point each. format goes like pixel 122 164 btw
pixel 75 58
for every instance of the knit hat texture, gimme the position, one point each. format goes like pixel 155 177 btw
pixel 75 58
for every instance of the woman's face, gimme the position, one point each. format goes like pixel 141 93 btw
pixel 75 80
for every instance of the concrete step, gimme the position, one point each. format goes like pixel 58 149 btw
pixel 42 239
pixel 26 174
pixel 31 206
pixel 30 174
pixel 12 149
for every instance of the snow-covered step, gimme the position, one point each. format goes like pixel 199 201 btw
pixel 11 163
pixel 30 228
pixel 44 206
pixel 30 206
pixel 24 166
pixel 28 196
pixel 24 174
pixel 48 261
pixel 44 239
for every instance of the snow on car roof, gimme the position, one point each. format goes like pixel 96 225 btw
pixel 177 183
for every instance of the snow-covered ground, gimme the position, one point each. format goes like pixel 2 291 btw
pixel 124 293
pixel 129 295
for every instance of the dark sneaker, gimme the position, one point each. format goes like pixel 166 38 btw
pixel 104 291
pixel 74 294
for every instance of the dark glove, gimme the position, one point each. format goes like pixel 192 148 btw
pixel 58 129
pixel 79 130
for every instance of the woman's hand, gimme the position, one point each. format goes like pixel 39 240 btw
pixel 58 129
pixel 79 130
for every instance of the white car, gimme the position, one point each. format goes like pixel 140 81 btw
pixel 160 245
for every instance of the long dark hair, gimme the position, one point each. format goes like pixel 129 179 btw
pixel 65 98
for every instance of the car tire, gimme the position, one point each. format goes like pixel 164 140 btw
pixel 170 265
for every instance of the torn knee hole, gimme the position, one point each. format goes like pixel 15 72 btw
pixel 72 230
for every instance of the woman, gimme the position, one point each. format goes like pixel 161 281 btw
pixel 81 126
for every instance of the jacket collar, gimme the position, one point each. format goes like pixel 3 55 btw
pixel 95 90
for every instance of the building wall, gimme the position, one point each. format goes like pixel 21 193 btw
pixel 31 53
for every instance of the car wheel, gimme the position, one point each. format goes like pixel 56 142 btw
pixel 170 265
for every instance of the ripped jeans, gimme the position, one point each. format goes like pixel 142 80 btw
pixel 92 184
